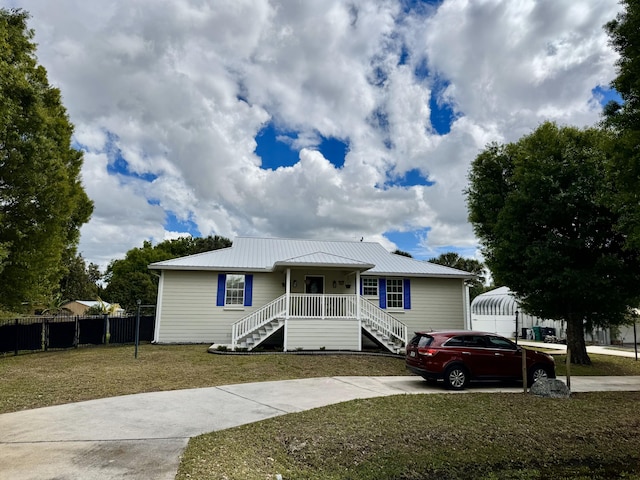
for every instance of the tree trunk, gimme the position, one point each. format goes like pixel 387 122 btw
pixel 575 341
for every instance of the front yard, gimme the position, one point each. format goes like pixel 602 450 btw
pixel 51 378
pixel 591 436
pixel 444 436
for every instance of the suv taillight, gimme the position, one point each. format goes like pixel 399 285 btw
pixel 427 352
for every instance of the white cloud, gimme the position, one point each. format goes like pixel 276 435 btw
pixel 181 88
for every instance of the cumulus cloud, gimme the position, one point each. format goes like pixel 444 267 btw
pixel 168 97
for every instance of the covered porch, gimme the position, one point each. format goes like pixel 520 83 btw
pixel 310 318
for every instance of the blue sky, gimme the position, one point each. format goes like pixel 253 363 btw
pixel 329 119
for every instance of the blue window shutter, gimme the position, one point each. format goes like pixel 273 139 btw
pixel 248 290
pixel 406 291
pixel 222 285
pixel 382 292
pixel 361 286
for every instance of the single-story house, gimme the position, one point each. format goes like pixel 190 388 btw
pixel 306 294
pixel 80 307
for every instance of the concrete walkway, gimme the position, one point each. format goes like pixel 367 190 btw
pixel 142 436
pixel 596 349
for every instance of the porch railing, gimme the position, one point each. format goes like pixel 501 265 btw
pixel 323 306
pixel 382 321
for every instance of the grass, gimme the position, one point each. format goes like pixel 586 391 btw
pixel 52 378
pixel 608 365
pixel 443 436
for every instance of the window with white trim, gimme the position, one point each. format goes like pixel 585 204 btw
pixel 395 294
pixel 370 287
pixel 234 290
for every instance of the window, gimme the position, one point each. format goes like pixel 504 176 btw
pixel 234 292
pixel 421 340
pixel 503 343
pixel 455 342
pixel 394 293
pixel 370 287
pixel 474 341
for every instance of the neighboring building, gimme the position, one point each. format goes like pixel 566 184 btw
pixel 495 311
pixel 80 307
pixel 305 294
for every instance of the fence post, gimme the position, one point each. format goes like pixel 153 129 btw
pixel 45 334
pixel 17 336
pixel 138 302
pixel 107 333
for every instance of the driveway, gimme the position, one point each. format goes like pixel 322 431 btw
pixel 142 436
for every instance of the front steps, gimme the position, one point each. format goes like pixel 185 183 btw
pixel 259 335
pixel 394 345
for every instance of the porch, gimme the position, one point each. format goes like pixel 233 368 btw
pixel 326 319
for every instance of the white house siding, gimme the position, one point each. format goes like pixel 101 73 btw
pixel 188 313
pixel 436 304
pixel 332 334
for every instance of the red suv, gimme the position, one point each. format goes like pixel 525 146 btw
pixel 460 356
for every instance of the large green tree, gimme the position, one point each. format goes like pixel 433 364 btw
pixel 624 118
pixel 42 201
pixel 624 34
pixel 129 279
pixel 80 281
pixel 539 207
pixel 471 265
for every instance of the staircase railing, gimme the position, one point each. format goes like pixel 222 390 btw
pixel 382 321
pixel 262 316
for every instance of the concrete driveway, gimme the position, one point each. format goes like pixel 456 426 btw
pixel 142 436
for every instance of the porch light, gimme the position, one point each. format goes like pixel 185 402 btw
pixel 295 283
pixel 335 284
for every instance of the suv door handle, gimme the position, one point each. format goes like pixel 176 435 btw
pixel 498 354
pixel 466 353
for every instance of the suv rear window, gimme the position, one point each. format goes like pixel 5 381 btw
pixel 466 341
pixel 421 340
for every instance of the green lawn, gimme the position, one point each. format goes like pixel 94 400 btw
pixel 51 378
pixel 440 436
pixel 601 365
pixel 435 436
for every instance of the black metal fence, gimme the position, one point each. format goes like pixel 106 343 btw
pixel 48 333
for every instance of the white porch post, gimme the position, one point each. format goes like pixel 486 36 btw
pixel 288 307
pixel 358 310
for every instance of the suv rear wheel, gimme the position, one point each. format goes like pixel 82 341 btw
pixel 456 377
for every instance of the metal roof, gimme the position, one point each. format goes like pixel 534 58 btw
pixel 324 259
pixel 269 254
pixel 500 301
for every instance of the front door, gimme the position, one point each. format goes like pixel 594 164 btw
pixel 314 285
